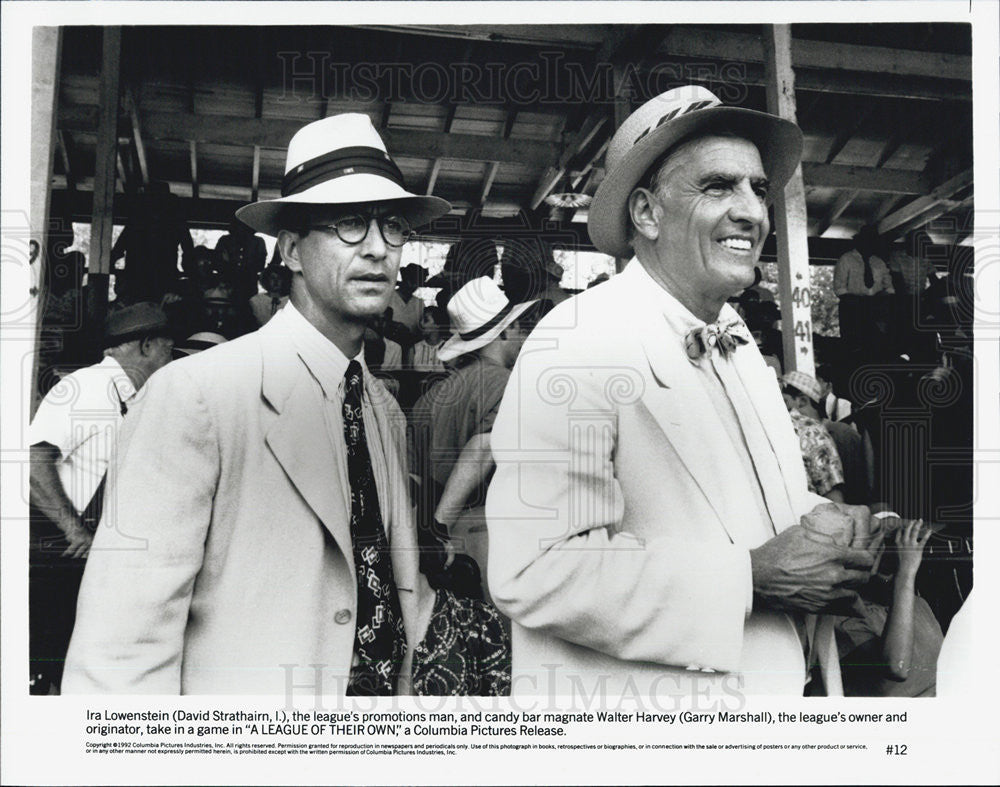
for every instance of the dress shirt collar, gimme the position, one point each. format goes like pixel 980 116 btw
pixel 123 385
pixel 322 357
pixel 678 316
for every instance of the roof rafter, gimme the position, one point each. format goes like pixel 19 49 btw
pixel 275 134
pixel 928 207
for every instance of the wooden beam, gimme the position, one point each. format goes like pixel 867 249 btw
pixel 508 123
pixel 46 57
pixel 274 133
pixel 102 214
pixel 255 176
pixel 46 43
pixel 194 169
pixel 874 85
pixel 892 181
pixel 846 133
pixel 491 173
pixel 590 174
pixel 890 147
pixel 491 168
pixel 122 174
pixel 432 180
pixel 928 216
pixel 64 142
pixel 566 36
pixel 839 206
pixel 790 215
pixel 448 122
pixel 140 148
pixel 625 50
pixel 591 126
pixel 820 55
pixel 922 206
pixel 886 207
pixel 107 149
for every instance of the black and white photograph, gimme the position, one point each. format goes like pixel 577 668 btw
pixel 499 392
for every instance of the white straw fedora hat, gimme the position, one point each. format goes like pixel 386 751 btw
pixel 660 124
pixel 337 160
pixel 479 313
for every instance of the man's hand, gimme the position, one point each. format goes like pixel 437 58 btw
pixel 796 572
pixel 79 538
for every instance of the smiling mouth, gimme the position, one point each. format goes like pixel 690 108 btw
pixel 743 245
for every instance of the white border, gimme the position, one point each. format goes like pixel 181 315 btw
pixel 950 740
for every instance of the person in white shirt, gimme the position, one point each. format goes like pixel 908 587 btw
pixel 434 330
pixel 72 438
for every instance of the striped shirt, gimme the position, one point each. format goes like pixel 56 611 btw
pixel 425 357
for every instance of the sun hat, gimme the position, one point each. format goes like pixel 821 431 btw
pixel 660 124
pixel 805 383
pixel 135 322
pixel 339 160
pixel 479 313
pixel 196 342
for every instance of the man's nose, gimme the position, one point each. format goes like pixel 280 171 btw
pixel 747 205
pixel 374 244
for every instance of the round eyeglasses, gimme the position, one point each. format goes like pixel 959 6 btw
pixel 353 228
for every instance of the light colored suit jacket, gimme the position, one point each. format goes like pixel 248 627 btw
pixel 617 537
pixel 223 564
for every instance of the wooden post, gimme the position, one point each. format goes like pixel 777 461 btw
pixel 99 265
pixel 790 218
pixel 46 51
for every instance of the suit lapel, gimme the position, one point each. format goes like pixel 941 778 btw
pixel 676 401
pixel 299 430
pixel 690 423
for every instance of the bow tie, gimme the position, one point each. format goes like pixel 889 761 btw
pixel 725 337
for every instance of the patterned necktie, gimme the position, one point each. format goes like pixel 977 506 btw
pixel 724 337
pixel 379 640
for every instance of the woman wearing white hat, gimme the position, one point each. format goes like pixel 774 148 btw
pixel 457 413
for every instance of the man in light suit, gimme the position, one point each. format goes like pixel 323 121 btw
pixel 643 519
pixel 257 536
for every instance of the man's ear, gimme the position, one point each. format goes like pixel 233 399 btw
pixel 146 346
pixel 288 245
pixel 644 214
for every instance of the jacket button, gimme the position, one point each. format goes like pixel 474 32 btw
pixel 343 616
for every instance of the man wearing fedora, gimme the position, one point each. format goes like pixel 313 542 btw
pixel 262 541
pixel 455 416
pixel 72 439
pixel 643 518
